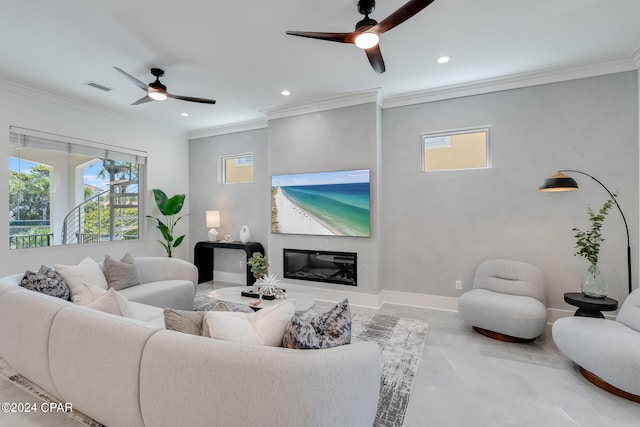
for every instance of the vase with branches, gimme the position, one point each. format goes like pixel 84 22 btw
pixel 588 243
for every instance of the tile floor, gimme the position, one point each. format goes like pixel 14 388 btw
pixel 466 379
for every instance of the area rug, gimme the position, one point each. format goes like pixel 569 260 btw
pixel 401 341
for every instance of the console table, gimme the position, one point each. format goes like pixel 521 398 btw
pixel 203 257
pixel 590 307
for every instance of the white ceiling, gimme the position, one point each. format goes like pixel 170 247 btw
pixel 237 52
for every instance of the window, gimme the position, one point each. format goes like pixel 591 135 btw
pixel 237 168
pixel 66 191
pixel 454 150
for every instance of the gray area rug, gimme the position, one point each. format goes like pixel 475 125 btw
pixel 401 341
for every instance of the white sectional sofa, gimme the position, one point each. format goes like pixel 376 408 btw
pixel 132 372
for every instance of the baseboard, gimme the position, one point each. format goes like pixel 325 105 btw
pixel 432 302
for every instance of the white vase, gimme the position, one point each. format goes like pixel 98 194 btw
pixel 245 234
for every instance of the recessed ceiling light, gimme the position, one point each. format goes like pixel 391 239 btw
pixel 285 93
pixel 184 114
pixel 443 59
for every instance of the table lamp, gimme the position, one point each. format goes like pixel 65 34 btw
pixel 213 220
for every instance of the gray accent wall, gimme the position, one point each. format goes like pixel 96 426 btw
pixel 239 204
pixel 431 229
pixel 438 226
pixel 339 139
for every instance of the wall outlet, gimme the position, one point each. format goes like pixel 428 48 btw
pixel 458 284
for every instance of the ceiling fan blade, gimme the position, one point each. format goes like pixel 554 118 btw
pixel 192 99
pixel 332 37
pixel 375 59
pixel 142 100
pixel 132 79
pixel 405 12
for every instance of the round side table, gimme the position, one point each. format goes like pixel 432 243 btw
pixel 590 307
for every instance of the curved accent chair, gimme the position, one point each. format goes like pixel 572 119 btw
pixel 507 301
pixel 606 351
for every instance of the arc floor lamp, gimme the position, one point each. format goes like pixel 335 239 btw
pixel 562 182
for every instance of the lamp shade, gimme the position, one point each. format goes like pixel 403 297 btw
pixel 558 182
pixel 213 219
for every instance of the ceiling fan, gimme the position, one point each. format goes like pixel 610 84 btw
pixel 156 91
pixel 367 33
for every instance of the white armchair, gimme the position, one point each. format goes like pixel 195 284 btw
pixel 507 301
pixel 607 351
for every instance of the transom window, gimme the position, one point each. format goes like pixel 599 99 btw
pixel 456 149
pixel 237 168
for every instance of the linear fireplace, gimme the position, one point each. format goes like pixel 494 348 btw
pixel 321 266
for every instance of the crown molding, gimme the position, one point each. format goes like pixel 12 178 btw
pixel 229 128
pixel 19 88
pixel 513 81
pixel 357 98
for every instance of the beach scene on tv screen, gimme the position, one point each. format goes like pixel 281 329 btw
pixel 323 203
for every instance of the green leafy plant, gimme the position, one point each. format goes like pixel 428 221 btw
pixel 259 265
pixel 169 207
pixel 588 241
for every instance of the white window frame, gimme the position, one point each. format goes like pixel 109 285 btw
pixel 223 166
pixel 446 142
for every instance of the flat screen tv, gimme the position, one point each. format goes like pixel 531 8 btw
pixel 322 203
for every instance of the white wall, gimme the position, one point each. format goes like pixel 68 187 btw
pixel 439 226
pixel 167 169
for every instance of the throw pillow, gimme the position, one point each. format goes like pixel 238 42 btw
pixel 87 271
pixel 121 274
pixel 190 322
pixel 329 329
pixel 88 294
pixel 187 322
pixel 46 281
pixel 112 302
pixel 264 327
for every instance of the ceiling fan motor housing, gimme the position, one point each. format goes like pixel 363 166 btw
pixel 365 7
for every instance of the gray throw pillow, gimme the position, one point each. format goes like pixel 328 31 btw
pixel 46 281
pixel 121 274
pixel 326 330
pixel 190 322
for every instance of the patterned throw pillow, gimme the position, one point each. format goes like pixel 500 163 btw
pixel 121 274
pixel 46 281
pixel 329 329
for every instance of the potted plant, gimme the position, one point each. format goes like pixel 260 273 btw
pixel 259 265
pixel 169 207
pixel 588 244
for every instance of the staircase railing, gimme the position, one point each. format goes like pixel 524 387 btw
pixel 103 217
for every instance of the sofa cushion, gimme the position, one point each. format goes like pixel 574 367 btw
pixel 46 281
pixel 176 294
pixel 121 274
pixel 112 302
pixel 329 329
pixel 265 327
pixel 87 271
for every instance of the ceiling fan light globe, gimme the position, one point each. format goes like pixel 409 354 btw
pixel 367 40
pixel 157 96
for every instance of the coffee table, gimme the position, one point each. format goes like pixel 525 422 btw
pixel 303 300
